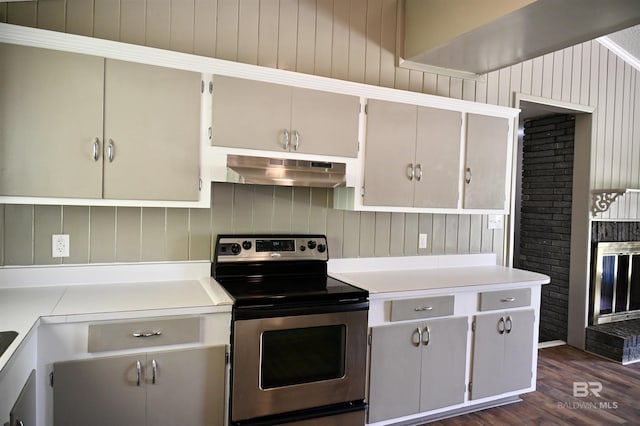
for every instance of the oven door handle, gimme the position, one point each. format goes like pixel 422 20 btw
pixel 270 311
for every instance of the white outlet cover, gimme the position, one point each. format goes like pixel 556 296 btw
pixel 422 241
pixel 60 245
pixel 496 221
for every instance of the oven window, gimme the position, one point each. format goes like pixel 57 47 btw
pixel 302 355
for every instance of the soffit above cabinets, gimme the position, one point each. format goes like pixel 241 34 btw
pixel 466 36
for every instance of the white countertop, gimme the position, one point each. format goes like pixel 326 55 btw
pixel 381 276
pixel 90 296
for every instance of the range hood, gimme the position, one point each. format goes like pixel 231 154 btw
pixel 285 172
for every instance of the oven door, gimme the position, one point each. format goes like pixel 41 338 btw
pixel 288 363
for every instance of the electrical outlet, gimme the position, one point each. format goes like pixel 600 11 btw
pixel 60 245
pixel 495 221
pixel 422 241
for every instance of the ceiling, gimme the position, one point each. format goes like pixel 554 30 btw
pixel 474 38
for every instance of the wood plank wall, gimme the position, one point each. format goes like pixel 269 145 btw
pixel 345 39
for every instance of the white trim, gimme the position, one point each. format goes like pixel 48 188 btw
pixel 620 51
pixel 551 344
pixel 412 65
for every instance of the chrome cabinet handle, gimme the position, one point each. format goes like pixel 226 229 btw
pixel 19 422
pixel 146 333
pixel 154 371
pixel 96 149
pixel 296 140
pixel 423 308
pixel 467 175
pixel 419 331
pixel 419 169
pixel 410 171
pixel 112 150
pixel 138 372
pixel 508 324
pixel 508 299
pixel 427 334
pixel 501 325
pixel 286 139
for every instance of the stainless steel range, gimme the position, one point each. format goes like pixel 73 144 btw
pixel 299 346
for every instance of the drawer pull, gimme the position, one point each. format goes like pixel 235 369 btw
pixel 508 299
pixel 423 308
pixel 147 334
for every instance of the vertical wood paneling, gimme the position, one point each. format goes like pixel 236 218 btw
pixel 340 37
pixel 243 209
pixel 227 30
pixel 282 201
pixel 547 75
pixel 133 21
pixel 443 85
pixel 486 245
pixel 429 82
pixel 263 206
pixel 51 15
pixel 47 221
pixel 324 38
pixel 158 24
pixel 177 234
pixel 635 211
pixel 22 13
pixel 475 236
pixel 416 80
pixel 182 25
pixel 576 74
pixel 382 234
pixel 205 27
pixel 372 57
pixel 1 224
pixel 75 222
pixel 425 226
pixel 3 19
pixel 556 79
pixel 335 232
pixel 367 234
pixel 567 71
pixel 536 76
pixel 357 40
pixel 248 26
pixel 106 20
pixel 305 55
pixel 288 34
pixel 388 43
pixel 102 236
pixel 128 234
pixel 493 83
pixel 515 82
pixel 411 230
pixel 504 87
pixel 455 88
pixel 451 233
pixel 153 234
pixel 526 78
pixel 464 233
pixel 438 233
pixel 268 35
pixel 481 91
pixel 469 90
pixel 396 243
pixel 80 17
pixel 301 210
pixel 222 209
pixel 351 236
pixel 585 75
pixel 318 214
pixel 200 243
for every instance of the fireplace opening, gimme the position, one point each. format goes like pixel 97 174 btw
pixel 615 290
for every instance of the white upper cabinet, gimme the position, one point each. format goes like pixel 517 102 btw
pixel 80 126
pixel 273 117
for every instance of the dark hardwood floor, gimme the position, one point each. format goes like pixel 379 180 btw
pixel 554 402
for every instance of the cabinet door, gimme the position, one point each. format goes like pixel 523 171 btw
pixel 389 153
pixel 394 379
pixel 518 357
pixel 23 412
pixel 438 158
pixel 326 123
pixel 444 356
pixel 488 355
pixel 152 120
pixel 50 116
pixel 250 114
pixel 188 389
pixel 486 162
pixel 101 391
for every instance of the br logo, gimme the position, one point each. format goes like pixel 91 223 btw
pixel 582 389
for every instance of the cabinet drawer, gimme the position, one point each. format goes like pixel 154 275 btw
pixel 424 307
pixel 139 334
pixel 505 299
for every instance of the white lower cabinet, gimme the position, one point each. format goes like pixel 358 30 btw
pixel 23 412
pixel 502 352
pixel 154 388
pixel 417 367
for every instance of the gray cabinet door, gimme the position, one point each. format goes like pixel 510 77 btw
pixel 502 354
pixel 50 116
pixel 389 154
pixel 443 363
pixel 152 123
pixel 519 351
pixel 326 123
pixel 250 114
pixel 188 389
pixel 101 391
pixel 438 158
pixel 486 162
pixel 394 379
pixel 23 412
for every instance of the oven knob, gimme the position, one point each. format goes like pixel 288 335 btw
pixel 311 244
pixel 321 248
pixel 235 248
pixel 246 245
pixel 303 247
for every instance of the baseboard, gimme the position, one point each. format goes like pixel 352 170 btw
pixel 551 344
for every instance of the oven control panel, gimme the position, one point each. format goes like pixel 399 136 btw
pixel 247 248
